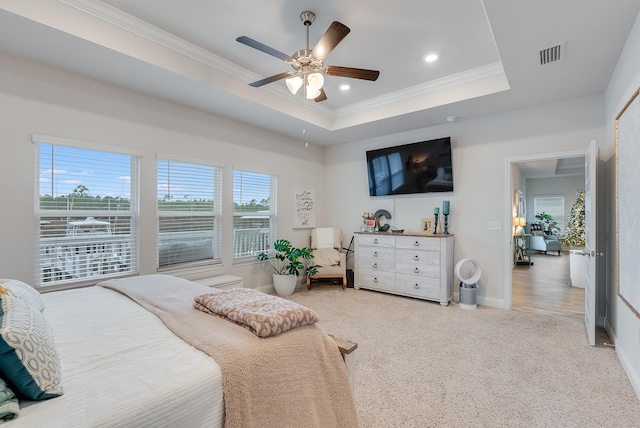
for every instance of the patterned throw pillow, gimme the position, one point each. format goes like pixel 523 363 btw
pixel 28 358
pixel 25 292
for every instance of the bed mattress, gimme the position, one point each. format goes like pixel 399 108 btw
pixel 121 367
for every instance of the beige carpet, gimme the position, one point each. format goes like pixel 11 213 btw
pixel 424 365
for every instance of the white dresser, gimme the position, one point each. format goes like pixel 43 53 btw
pixel 407 264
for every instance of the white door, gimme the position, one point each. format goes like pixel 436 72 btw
pixel 590 252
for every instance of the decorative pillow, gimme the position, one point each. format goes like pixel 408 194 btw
pixel 9 406
pixel 28 358
pixel 25 292
pixel 326 257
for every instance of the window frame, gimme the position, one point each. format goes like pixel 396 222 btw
pixel 264 243
pixel 560 222
pixel 132 253
pixel 216 213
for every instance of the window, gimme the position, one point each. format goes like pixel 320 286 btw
pixel 189 208
pixel 86 213
pixel 255 217
pixel 552 205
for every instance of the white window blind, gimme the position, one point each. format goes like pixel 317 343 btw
pixel 255 212
pixel 552 205
pixel 87 214
pixel 189 208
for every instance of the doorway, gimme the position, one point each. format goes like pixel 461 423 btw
pixel 543 286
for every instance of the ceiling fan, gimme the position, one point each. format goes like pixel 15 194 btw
pixel 308 65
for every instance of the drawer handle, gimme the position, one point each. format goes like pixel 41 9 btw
pixel 375 279
pixel 416 244
pixel 416 270
pixel 375 265
pixel 416 286
pixel 416 258
pixel 375 241
pixel 375 254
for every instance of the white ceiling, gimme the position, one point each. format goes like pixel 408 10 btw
pixel 562 167
pixel 186 52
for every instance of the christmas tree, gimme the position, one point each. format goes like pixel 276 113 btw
pixel 574 233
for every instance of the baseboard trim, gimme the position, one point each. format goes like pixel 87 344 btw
pixel 634 377
pixel 484 301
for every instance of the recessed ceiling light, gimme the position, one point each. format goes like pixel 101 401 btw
pixel 431 58
pixel 345 87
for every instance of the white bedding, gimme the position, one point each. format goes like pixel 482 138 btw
pixel 121 367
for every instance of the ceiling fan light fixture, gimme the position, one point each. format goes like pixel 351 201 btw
pixel 312 94
pixel 294 83
pixel 315 82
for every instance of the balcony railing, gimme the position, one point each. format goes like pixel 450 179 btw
pixel 68 257
pixel 84 256
pixel 249 242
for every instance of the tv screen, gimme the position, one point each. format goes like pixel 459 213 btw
pixel 422 167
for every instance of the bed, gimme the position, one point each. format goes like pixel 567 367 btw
pixel 123 366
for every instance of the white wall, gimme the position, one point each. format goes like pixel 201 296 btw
pixel 480 149
pixel 623 325
pixel 39 100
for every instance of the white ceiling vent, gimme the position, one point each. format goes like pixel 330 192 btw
pixel 552 54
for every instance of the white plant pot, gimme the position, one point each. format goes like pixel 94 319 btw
pixel 285 285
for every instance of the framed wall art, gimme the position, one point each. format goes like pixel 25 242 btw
pixel 304 208
pixel 628 202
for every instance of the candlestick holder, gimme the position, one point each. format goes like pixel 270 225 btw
pixel 446 224
pixel 435 223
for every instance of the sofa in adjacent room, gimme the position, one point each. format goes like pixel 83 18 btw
pixel 542 242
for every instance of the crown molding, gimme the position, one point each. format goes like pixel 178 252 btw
pixel 140 28
pixel 446 82
pixel 131 24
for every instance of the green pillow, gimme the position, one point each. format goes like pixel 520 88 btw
pixel 28 357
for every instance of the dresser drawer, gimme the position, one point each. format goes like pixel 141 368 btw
pixel 385 263
pixel 378 280
pixel 422 263
pixel 428 288
pixel 377 240
pixel 418 243
pixel 375 253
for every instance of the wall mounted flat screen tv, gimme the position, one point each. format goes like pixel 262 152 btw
pixel 421 167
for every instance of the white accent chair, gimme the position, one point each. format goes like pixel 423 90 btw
pixel 329 260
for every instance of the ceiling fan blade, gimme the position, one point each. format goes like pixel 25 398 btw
pixel 321 97
pixel 274 78
pixel 330 39
pixel 354 73
pixel 264 48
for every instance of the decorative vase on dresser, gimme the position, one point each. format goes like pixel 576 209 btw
pixel 409 264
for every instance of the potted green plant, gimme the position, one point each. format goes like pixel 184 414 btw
pixel 287 265
pixel 548 222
